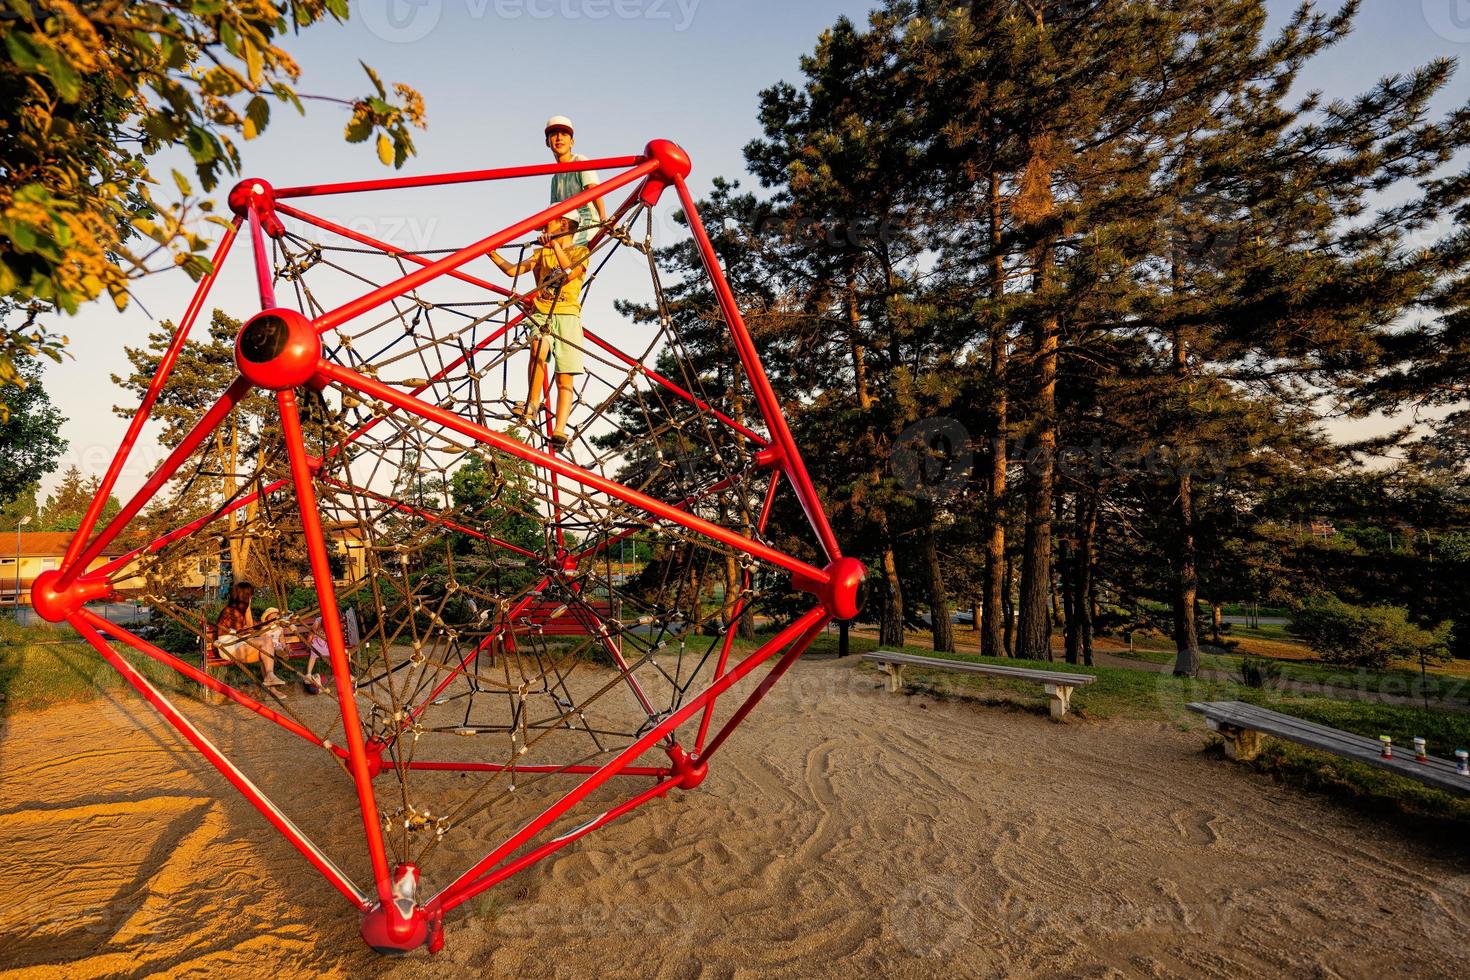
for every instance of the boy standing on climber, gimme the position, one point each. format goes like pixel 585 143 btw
pixel 560 139
pixel 560 265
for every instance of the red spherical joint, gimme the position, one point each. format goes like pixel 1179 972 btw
pixel 278 349
pixel 843 593
pixel 256 193
pixel 768 458
pixel 401 925
pixel 53 603
pixel 673 164
pixel 688 772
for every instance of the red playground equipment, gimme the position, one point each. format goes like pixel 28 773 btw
pixel 519 643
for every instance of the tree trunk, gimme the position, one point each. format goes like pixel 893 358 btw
pixel 1186 563
pixel 1035 612
pixel 1086 588
pixel 1008 606
pixel 1215 630
pixel 939 614
pixel 890 619
pixel 1066 588
pixel 992 623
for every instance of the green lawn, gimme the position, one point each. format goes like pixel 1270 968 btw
pixel 45 665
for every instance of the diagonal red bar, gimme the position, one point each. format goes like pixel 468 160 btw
pixel 150 398
pixel 228 769
pixel 460 177
pixel 201 431
pixel 376 389
pixel 326 593
pixel 377 297
pixel 469 884
pixel 801 481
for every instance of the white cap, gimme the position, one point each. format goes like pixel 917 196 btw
pixel 559 122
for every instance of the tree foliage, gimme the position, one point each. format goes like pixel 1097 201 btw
pixel 1366 636
pixel 91 92
pixel 30 434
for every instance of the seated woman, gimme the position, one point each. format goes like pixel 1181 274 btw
pixel 230 635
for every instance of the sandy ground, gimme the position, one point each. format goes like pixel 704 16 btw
pixel 846 832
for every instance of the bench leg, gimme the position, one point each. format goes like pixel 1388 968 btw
pixel 208 695
pixel 895 676
pixel 1060 698
pixel 1241 744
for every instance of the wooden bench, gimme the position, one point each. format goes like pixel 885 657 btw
pixel 1242 725
pixel 551 618
pixel 1059 686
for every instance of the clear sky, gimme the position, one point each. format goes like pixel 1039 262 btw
pixel 626 71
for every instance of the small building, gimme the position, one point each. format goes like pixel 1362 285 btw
pixel 34 552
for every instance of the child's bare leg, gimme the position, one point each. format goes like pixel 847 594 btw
pixel 536 374
pixel 565 395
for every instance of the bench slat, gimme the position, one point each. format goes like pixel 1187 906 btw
pixel 1437 771
pixel 997 670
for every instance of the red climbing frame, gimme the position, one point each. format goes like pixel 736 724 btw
pixel 280 350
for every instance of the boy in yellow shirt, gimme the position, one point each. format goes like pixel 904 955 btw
pixel 559 266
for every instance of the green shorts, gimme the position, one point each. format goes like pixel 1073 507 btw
pixel 566 339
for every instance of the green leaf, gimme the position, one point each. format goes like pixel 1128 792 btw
pixel 377 82
pixel 338 8
pixel 22 50
pixel 257 115
pixel 285 93
pixel 359 128
pixel 181 182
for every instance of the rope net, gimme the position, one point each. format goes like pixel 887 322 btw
pixel 515 624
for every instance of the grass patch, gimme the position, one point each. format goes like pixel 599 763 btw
pixel 45 665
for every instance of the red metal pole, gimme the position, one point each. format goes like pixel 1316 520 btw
pixel 200 677
pixel 525 861
pixel 644 771
pixel 165 540
pixel 392 250
pixel 466 886
pixel 733 628
pixel 150 397
pixel 227 768
pixel 375 389
pixel 461 177
pixel 264 276
pixel 334 318
pixel 801 481
pixel 764 688
pixel 161 476
pixel 321 573
pixel 659 379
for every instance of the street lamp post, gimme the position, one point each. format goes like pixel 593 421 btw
pixel 19 524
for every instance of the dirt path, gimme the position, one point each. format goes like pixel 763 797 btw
pixel 847 832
